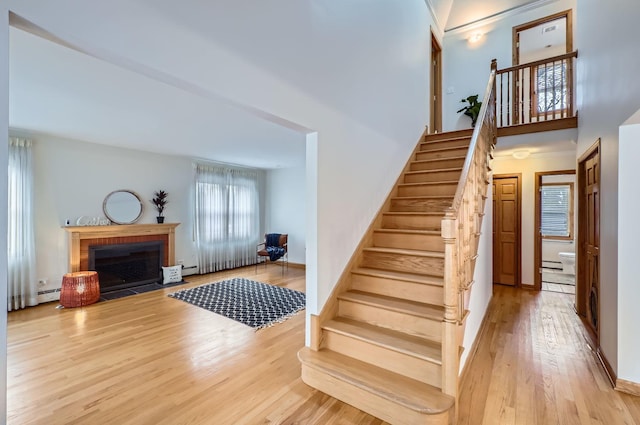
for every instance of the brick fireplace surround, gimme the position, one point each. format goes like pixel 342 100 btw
pixel 81 237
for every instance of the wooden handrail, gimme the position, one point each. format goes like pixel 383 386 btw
pixel 461 234
pixel 535 92
pixel 539 62
pixel 457 199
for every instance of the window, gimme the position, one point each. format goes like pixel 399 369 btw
pixel 557 211
pixel 550 87
pixel 227 217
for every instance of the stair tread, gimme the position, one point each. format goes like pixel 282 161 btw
pixel 467 132
pixel 407 392
pixel 448 139
pixel 409 231
pixel 423 197
pixel 439 159
pixel 439 170
pixel 449 148
pixel 429 183
pixel 413 308
pixel 409 277
pixel 394 340
pixel 416 252
pixel 413 213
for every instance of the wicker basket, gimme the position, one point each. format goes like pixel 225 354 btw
pixel 79 288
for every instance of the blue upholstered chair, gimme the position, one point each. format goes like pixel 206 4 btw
pixel 273 249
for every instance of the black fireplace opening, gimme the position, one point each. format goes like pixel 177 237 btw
pixel 127 265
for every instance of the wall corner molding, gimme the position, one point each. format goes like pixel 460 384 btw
pixel 497 16
pixel 611 374
pixel 628 387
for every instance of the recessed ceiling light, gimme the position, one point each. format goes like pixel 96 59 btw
pixel 520 154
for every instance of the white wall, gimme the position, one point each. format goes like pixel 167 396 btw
pixel 285 210
pixel 628 237
pixel 4 143
pixel 358 76
pixel 528 167
pixel 608 94
pixel 482 289
pixel 467 66
pixel 72 179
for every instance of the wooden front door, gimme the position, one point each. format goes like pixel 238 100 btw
pixel 506 230
pixel 588 289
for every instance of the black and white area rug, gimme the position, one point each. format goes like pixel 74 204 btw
pixel 252 303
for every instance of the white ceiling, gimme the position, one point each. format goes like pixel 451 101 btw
pixel 58 91
pixel 464 12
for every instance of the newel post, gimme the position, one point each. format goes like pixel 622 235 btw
pixel 450 359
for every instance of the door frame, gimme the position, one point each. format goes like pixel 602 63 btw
pixel 515 49
pixel 518 177
pixel 581 272
pixel 515 40
pixel 537 237
pixel 435 95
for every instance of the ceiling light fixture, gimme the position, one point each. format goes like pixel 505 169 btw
pixel 521 154
pixel 475 37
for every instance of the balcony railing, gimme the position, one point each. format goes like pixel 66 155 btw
pixel 536 92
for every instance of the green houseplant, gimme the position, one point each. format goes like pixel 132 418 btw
pixel 472 110
pixel 159 201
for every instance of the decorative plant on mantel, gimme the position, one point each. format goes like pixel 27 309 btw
pixel 159 201
pixel 473 109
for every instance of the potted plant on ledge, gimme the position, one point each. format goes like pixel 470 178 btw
pixel 472 110
pixel 159 201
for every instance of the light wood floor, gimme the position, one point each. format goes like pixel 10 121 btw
pixel 150 359
pixel 533 366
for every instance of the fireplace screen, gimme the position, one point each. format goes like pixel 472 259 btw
pixel 127 265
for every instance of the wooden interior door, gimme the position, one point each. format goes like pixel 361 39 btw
pixel 435 106
pixel 588 285
pixel 506 229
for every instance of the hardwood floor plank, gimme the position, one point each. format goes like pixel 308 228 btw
pixel 151 359
pixel 534 366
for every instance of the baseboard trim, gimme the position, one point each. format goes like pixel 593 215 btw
pixel 611 375
pixel 628 387
pixel 476 344
pixel 298 266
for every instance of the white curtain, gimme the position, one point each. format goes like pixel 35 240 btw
pixel 227 222
pixel 22 289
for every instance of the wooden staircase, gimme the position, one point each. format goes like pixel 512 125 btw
pixel 388 339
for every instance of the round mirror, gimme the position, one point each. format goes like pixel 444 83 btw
pixel 122 207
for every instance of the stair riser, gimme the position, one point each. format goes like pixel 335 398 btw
pixel 413 325
pixel 448 135
pixel 416 222
pixel 400 363
pixel 442 144
pixel 403 263
pixel 448 189
pixel 462 150
pixel 408 241
pixel 436 165
pixel 420 205
pixel 412 291
pixel 366 401
pixel 432 176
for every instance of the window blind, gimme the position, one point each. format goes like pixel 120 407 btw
pixel 555 210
